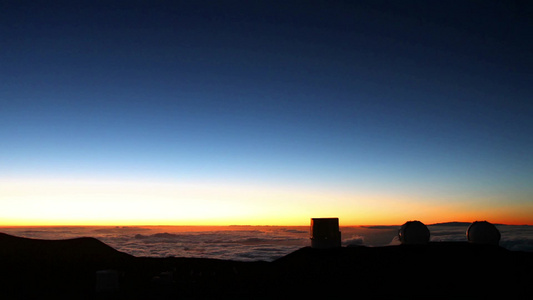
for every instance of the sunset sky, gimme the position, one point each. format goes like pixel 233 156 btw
pixel 265 112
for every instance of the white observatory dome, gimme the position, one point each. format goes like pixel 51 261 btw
pixel 413 233
pixel 483 232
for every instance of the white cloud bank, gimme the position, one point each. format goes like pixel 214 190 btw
pixel 248 243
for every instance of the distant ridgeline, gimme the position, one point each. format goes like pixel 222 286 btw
pixel 85 268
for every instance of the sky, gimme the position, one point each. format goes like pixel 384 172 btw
pixel 265 112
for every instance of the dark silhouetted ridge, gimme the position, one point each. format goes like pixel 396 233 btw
pixel 68 249
pixel 454 223
pixel 47 269
pixel 66 269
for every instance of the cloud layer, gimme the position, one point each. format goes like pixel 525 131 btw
pixel 246 243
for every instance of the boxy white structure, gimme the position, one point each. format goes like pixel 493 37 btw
pixel 325 233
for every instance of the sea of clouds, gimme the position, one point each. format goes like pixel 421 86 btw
pixel 513 237
pixel 247 243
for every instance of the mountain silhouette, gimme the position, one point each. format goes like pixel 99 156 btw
pixel 66 269
pixel 454 223
pixel 67 249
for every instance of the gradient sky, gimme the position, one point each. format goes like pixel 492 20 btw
pixel 265 112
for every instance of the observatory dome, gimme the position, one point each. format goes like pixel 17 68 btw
pixel 483 232
pixel 413 233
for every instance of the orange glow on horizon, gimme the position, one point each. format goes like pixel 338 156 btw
pixel 135 203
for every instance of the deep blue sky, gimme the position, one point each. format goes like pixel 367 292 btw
pixel 382 94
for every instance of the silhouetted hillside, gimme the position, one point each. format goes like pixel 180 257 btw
pixel 49 268
pixel 67 269
pixel 78 248
pixel 452 224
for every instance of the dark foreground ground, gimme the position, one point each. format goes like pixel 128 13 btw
pixel 43 269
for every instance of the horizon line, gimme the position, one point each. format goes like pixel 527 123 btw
pixel 235 225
